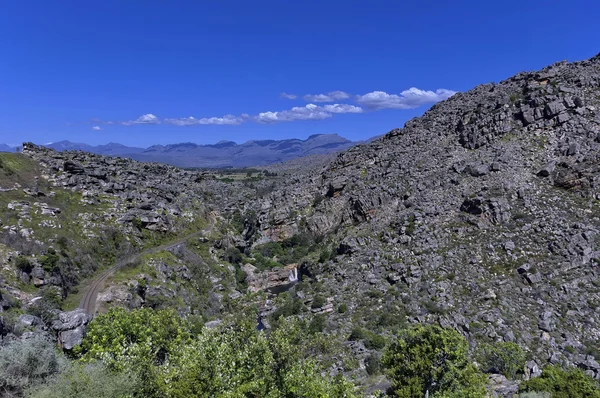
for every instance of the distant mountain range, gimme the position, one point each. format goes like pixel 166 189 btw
pixel 6 148
pixel 221 154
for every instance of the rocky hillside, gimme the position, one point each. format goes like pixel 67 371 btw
pixel 482 215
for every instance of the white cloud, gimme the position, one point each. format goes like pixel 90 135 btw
pixel 342 108
pixel 308 112
pixel 376 100
pixel 148 118
pixel 408 99
pixel 191 121
pixel 329 97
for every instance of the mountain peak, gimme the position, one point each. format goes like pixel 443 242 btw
pixel 224 153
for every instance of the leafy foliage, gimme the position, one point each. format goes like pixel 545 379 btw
pixel 371 340
pixel 23 264
pixel 136 339
pixel 431 360
pixel 50 260
pixel 157 346
pixel 242 362
pixel 563 383
pixel 505 357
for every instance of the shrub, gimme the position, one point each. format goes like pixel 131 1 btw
pixel 141 337
pixel 50 260
pixel 563 383
pixel 373 365
pixel 239 361
pixel 431 361
pixel 317 324
pixel 343 308
pixel 374 341
pixel 23 264
pixel 506 358
pixel 534 394
pixel 233 255
pixel 318 302
pixel 357 334
pixel 91 380
pixel 28 362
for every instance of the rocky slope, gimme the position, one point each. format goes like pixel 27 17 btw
pixel 482 215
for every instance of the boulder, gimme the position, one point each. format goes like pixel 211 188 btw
pixel 71 327
pixel 30 320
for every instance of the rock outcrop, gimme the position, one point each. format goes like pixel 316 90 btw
pixel 70 327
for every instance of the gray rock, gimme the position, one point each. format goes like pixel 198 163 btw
pixel 478 170
pixel 71 338
pixel 532 370
pixel 574 149
pixel 30 320
pixel 71 320
pixel 534 278
pixel 553 108
pixel 213 324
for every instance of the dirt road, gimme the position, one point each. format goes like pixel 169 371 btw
pixel 88 300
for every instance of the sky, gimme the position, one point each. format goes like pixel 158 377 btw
pixel 143 72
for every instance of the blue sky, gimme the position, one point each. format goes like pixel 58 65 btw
pixel 135 71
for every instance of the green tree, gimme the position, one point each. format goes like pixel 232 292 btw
pixel 429 361
pixel 563 383
pixel 136 341
pixel 119 337
pixel 507 358
pixel 239 361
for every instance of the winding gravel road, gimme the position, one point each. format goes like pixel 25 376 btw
pixel 88 301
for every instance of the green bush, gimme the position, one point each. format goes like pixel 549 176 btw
pixel 342 308
pixel 318 302
pixel 233 255
pixel 144 337
pixel 23 264
pixel 28 362
pixel 357 334
pixel 317 324
pixel 49 262
pixel 431 361
pixel 563 383
pixel 374 341
pixel 239 361
pixel 290 306
pixel 87 380
pixel 373 365
pixel 506 358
